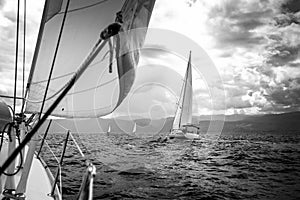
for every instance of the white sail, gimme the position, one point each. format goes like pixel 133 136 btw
pixel 97 92
pixel 108 130
pixel 134 129
pixel 183 115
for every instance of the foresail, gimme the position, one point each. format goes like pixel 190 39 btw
pixel 136 14
pixel 97 92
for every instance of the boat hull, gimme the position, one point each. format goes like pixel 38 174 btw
pixel 40 179
pixel 180 134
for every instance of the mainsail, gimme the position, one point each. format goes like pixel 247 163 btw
pixel 183 114
pixel 97 92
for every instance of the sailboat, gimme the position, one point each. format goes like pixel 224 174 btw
pixel 134 129
pixel 108 130
pixel 83 66
pixel 182 125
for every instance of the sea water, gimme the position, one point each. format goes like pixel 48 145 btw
pixel 256 165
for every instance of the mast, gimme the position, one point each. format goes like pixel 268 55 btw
pixel 37 49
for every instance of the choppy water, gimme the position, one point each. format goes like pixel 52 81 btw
pixel 234 166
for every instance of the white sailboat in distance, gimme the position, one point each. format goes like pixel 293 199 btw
pixel 182 125
pixel 134 129
pixel 108 130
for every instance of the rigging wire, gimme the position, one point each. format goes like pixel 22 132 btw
pixel 55 54
pixel 9 97
pixel 71 73
pixel 24 56
pixel 51 151
pixel 72 93
pixel 77 146
pixel 16 58
pixel 74 140
pixel 37 48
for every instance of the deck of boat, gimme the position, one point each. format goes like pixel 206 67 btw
pixel 39 182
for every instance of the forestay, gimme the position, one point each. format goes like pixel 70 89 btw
pixel 97 92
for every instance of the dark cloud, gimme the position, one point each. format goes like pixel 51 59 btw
pixel 248 24
pixel 232 26
pixel 296 64
pixel 284 46
pixel 291 6
pixel 289 13
pixel 282 54
pixel 283 97
pixel 286 98
pixel 283 20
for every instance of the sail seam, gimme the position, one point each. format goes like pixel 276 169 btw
pixel 81 91
pixel 84 7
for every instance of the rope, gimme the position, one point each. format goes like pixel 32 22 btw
pixel 55 54
pixel 2 134
pixel 10 126
pixel 60 181
pixel 57 77
pixel 16 59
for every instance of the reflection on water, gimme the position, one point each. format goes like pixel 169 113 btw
pixel 235 166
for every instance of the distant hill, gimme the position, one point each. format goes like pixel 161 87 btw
pixel 233 123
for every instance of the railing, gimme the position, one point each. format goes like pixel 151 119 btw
pixel 60 164
pixel 86 192
pixel 44 137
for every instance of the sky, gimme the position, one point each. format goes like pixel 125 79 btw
pixel 253 44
